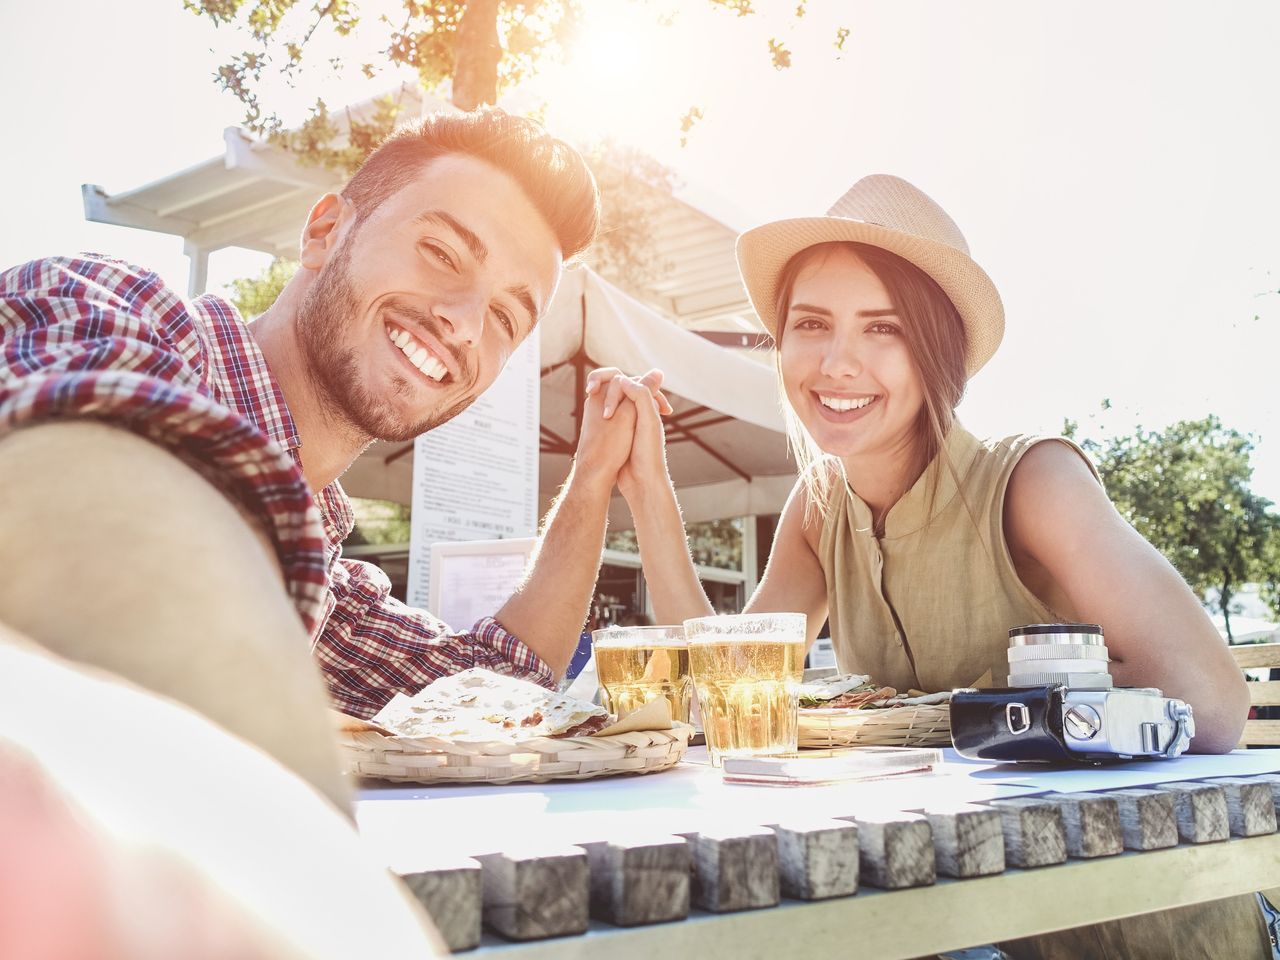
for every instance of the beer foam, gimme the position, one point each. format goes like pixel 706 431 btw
pixel 754 638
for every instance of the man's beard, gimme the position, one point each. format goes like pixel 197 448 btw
pixel 328 310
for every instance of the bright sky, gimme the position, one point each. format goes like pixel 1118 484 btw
pixel 1114 167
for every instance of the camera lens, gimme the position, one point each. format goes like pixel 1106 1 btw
pixel 1070 653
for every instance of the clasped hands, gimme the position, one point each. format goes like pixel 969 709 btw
pixel 622 439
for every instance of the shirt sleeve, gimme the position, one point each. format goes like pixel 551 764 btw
pixel 373 646
pixel 98 339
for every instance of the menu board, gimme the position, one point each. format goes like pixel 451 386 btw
pixel 476 477
pixel 473 579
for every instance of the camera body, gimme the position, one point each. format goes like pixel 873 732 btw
pixel 1061 706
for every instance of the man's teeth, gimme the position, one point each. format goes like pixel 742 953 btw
pixel 842 404
pixel 417 353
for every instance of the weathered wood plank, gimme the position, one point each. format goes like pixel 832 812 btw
pixel 968 840
pixel 1273 781
pixel 1148 819
pixel 638 881
pixel 1261 733
pixel 1034 834
pixel 817 858
pixel 452 893
pixel 1251 811
pixel 1201 811
pixel 895 850
pixel 536 892
pixel 1264 693
pixel 734 868
pixel 1091 822
pixel 1251 655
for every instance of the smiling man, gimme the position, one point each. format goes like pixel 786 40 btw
pixel 167 468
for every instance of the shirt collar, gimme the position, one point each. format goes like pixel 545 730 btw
pixel 929 495
pixel 240 369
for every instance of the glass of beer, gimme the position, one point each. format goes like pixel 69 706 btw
pixel 639 664
pixel 747 670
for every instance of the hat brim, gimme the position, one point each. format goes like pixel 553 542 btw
pixel 763 252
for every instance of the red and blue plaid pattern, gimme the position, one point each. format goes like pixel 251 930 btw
pixel 97 338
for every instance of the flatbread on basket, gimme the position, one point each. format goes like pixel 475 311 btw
pixel 851 710
pixel 482 727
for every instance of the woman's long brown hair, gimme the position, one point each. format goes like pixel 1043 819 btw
pixel 936 342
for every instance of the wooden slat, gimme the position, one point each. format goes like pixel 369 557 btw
pixel 636 881
pixel 818 858
pixel 968 840
pixel 1249 655
pixel 1250 809
pixel 1034 835
pixel 734 868
pixel 1265 693
pixel 543 890
pixel 1147 818
pixel 1201 809
pixel 451 892
pixel 1092 822
pixel 1261 733
pixel 922 921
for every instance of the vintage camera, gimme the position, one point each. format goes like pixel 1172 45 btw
pixel 1061 706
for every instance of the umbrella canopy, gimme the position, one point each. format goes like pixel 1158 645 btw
pixel 1245 629
pixel 726 446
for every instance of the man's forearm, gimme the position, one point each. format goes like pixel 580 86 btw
pixel 548 611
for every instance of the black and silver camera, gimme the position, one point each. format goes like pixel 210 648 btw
pixel 1061 706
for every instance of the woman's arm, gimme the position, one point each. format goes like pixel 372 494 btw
pixel 1074 550
pixel 793 580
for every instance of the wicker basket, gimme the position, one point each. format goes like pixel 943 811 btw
pixel 368 753
pixel 919 726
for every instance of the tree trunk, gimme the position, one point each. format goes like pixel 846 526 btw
pixel 475 73
pixel 1224 600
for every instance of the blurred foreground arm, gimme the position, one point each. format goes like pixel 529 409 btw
pixel 133 827
pixel 119 555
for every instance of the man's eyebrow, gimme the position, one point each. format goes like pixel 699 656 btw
pixel 824 312
pixel 468 236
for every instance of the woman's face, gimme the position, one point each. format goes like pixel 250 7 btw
pixel 845 364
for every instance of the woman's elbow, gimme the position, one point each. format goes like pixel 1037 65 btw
pixel 1220 715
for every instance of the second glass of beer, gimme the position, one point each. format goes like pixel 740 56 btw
pixel 747 670
pixel 639 664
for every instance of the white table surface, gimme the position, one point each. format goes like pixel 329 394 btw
pixel 406 823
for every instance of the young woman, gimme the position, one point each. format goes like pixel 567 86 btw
pixel 922 544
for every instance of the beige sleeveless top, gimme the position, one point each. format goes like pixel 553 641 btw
pixel 928 606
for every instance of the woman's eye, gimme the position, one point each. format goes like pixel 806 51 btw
pixel 890 329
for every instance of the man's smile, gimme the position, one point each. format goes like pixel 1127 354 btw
pixel 418 353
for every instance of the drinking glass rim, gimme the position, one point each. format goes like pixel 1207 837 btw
pixel 628 636
pixel 727 622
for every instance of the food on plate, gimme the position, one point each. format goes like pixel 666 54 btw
pixel 482 706
pixel 855 691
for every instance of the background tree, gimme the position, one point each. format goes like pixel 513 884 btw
pixel 1186 490
pixel 479 48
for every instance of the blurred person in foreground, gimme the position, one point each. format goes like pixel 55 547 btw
pixel 923 544
pixel 135 829
pixel 171 507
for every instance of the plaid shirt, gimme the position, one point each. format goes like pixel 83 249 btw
pixel 98 338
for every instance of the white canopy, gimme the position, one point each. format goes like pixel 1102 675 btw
pixel 726 446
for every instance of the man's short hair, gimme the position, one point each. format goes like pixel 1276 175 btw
pixel 552 174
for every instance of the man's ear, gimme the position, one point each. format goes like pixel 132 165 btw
pixel 324 229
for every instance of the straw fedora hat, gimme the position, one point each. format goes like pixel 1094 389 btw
pixel 889 213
